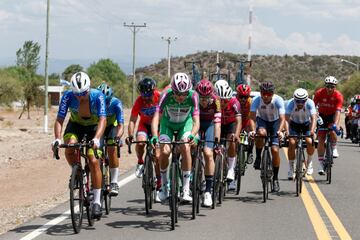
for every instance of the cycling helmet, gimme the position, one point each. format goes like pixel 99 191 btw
pixel 146 86
pixel 204 87
pixel 223 89
pixel 357 99
pixel 243 90
pixel 267 87
pixel 181 82
pixel 300 94
pixel 80 82
pixel 106 90
pixel 331 80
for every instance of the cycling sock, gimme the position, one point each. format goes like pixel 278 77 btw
pixel 321 158
pixel 163 173
pixel 309 158
pixel 209 182
pixel 333 145
pixel 97 193
pixel 186 180
pixel 140 161
pixel 291 163
pixel 258 153
pixel 114 174
pixel 231 161
pixel 276 173
pixel 158 182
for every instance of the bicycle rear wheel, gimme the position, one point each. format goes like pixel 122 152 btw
pixel 217 180
pixel 240 167
pixel 106 198
pixel 76 197
pixel 173 192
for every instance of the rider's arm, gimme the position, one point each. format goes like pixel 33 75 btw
pixel 287 121
pixel 238 125
pixel 196 125
pixel 120 130
pixel 58 127
pixel 195 114
pixel 155 123
pixel 253 108
pixel 119 119
pixel 100 127
pixel 217 118
pixel 252 121
pixel 281 107
pixel 282 122
pixel 131 126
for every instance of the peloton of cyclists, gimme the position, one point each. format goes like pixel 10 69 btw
pixel 301 116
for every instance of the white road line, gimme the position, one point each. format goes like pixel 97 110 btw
pixel 66 214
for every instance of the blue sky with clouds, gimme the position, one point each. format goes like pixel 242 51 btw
pixel 87 30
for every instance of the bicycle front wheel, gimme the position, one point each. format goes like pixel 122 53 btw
pixel 76 197
pixel 217 180
pixel 240 167
pixel 148 183
pixel 106 188
pixel 173 198
pixel 299 174
pixel 328 160
pixel 265 174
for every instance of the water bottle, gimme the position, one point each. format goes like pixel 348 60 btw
pixel 335 129
pixel 320 121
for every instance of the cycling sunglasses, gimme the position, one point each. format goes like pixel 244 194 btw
pixel 243 97
pixel 267 94
pixel 82 94
pixel 181 94
pixel 148 94
pixel 331 86
pixel 300 101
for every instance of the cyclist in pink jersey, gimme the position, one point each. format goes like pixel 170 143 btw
pixel 230 124
pixel 210 125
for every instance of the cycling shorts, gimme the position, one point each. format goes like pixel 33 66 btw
pixel 271 127
pixel 228 129
pixel 167 129
pixel 144 130
pixel 328 121
pixel 245 124
pixel 297 128
pixel 208 128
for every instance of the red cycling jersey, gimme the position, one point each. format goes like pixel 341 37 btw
pixel 211 112
pixel 145 109
pixel 328 103
pixel 245 112
pixel 230 111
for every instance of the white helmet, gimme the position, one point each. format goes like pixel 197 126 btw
pixel 301 94
pixel 80 82
pixel 223 89
pixel 331 80
pixel 181 82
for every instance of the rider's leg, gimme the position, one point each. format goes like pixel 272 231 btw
pixel 291 156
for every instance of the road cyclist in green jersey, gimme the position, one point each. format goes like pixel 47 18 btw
pixel 88 116
pixel 178 110
pixel 114 130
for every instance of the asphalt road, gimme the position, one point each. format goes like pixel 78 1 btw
pixel 322 211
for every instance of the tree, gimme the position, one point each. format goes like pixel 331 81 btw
pixel 28 56
pixel 10 88
pixel 70 70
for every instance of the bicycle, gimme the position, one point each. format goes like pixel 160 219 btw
pixel 148 179
pixel 105 171
pixel 196 76
pixel 240 78
pixel 79 185
pixel 301 164
pixel 241 159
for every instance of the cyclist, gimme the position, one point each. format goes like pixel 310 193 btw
pixel 348 116
pixel 268 112
pixel 230 124
pixel 301 116
pixel 88 116
pixel 355 116
pixel 145 107
pixel 243 95
pixel 178 110
pixel 329 102
pixel 210 124
pixel 113 130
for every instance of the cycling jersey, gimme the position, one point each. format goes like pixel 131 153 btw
pixel 212 112
pixel 328 103
pixel 175 112
pixel 145 109
pixel 230 111
pixel 303 115
pixel 96 102
pixel 268 112
pixel 115 113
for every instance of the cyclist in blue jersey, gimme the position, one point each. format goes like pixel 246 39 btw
pixel 114 130
pixel 268 112
pixel 301 116
pixel 88 116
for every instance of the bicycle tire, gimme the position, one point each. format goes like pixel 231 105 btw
pixel 105 188
pixel 173 198
pixel 264 175
pixel 240 167
pixel 195 185
pixel 216 183
pixel 328 160
pixel 90 219
pixel 146 184
pixel 76 188
pixel 298 171
pixel 223 181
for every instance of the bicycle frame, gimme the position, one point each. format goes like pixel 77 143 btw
pixel 196 75
pixel 240 78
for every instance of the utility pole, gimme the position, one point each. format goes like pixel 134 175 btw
pixel 249 40
pixel 134 29
pixel 46 68
pixel 169 40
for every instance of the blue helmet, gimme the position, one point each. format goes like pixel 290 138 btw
pixel 106 90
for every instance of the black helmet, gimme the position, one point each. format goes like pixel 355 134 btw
pixel 267 87
pixel 146 86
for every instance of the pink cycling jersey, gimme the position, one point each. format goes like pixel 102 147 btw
pixel 212 112
pixel 230 111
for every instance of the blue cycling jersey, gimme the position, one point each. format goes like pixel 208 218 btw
pixel 268 112
pixel 114 112
pixel 303 115
pixel 97 107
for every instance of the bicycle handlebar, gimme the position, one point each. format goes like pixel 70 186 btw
pixel 72 145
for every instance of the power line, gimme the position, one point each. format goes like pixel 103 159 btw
pixel 134 29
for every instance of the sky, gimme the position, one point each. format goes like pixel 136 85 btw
pixel 84 31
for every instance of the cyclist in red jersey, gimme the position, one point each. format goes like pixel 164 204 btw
pixel 243 96
pixel 230 124
pixel 348 116
pixel 329 102
pixel 210 125
pixel 145 107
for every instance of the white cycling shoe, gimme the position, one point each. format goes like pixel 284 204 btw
pixel 335 153
pixel 310 169
pixel 230 175
pixel 321 168
pixel 207 199
pixel 139 170
pixel 232 186
pixel 186 196
pixel 163 193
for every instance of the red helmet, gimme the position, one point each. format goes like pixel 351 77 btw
pixel 243 90
pixel 204 87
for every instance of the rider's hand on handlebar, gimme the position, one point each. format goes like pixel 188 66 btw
pixel 154 141
pixel 95 143
pixel 191 139
pixel 129 139
pixel 55 142
pixel 280 135
pixel 252 134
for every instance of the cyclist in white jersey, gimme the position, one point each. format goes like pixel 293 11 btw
pixel 301 116
pixel 268 112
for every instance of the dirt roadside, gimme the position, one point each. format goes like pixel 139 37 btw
pixel 31 181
